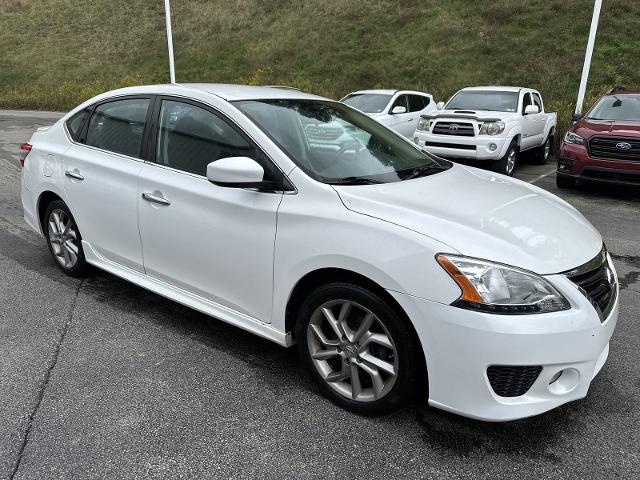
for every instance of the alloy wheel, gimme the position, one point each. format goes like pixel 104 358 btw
pixel 352 350
pixel 511 162
pixel 63 237
pixel 547 149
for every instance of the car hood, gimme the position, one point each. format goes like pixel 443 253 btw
pixel 485 215
pixel 473 114
pixel 586 128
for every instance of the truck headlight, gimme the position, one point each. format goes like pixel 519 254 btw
pixel 423 124
pixel 571 137
pixel 496 288
pixel 492 128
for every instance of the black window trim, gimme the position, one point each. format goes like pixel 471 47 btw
pixel 83 131
pixel 286 186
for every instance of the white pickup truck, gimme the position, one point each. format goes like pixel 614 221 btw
pixel 492 124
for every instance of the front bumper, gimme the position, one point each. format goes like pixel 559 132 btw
pixel 459 346
pixel 471 148
pixel 575 162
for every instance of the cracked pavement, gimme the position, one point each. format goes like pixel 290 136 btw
pixel 102 379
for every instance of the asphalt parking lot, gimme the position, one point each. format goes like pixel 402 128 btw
pixel 102 379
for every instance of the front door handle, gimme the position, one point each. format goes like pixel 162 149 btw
pixel 150 197
pixel 74 174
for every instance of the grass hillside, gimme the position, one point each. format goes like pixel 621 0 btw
pixel 55 53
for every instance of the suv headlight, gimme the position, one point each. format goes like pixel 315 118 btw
pixel 423 124
pixel 495 288
pixel 571 137
pixel 492 128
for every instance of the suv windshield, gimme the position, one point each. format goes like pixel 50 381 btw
pixel 367 102
pixel 484 100
pixel 334 143
pixel 617 108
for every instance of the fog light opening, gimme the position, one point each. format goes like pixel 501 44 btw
pixel 493 147
pixel 564 381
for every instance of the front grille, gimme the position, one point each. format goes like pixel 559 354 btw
pixel 615 148
pixel 450 145
pixel 512 381
pixel 454 128
pixel 598 285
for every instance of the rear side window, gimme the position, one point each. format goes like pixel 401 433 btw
pixel 537 100
pixel 417 103
pixel 190 137
pixel 118 126
pixel 75 123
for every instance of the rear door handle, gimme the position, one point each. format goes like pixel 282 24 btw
pixel 74 174
pixel 150 197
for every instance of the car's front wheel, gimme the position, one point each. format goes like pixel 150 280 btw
pixel 357 348
pixel 64 240
pixel 507 165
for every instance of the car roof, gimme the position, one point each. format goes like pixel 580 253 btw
pixel 496 88
pixel 386 91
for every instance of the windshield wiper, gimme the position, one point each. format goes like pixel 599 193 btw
pixel 424 171
pixel 355 181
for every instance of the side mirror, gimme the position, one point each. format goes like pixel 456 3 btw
pixel 237 172
pixel 531 110
pixel 575 117
pixel 398 109
pixel 440 105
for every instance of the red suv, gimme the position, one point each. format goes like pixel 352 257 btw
pixel 604 144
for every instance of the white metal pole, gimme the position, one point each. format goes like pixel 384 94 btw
pixel 587 58
pixel 167 16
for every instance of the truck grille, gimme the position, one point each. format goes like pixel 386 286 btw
pixel 512 381
pixel 454 128
pixel 598 285
pixel 615 148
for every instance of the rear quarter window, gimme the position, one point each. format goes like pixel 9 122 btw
pixel 75 123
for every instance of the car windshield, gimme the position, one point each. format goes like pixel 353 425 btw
pixel 334 143
pixel 368 102
pixel 617 108
pixel 484 100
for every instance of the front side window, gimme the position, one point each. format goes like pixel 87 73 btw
pixel 190 137
pixel 624 108
pixel 118 126
pixel 335 144
pixel 526 101
pixel 401 101
pixel 368 102
pixel 484 100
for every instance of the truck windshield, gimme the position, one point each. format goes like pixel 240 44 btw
pixel 367 102
pixel 334 143
pixel 617 108
pixel 484 100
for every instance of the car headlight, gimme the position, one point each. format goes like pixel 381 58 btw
pixel 423 124
pixel 571 137
pixel 495 288
pixel 492 128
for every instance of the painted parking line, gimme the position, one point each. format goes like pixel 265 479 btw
pixel 540 177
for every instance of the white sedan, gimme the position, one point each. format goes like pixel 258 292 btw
pixel 399 110
pixel 302 220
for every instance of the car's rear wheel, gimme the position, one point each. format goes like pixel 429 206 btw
pixel 542 154
pixel 565 182
pixel 64 239
pixel 507 165
pixel 357 349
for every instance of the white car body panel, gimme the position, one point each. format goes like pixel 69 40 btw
pixel 237 254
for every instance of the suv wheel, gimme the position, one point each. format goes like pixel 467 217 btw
pixel 507 165
pixel 564 182
pixel 357 349
pixel 64 240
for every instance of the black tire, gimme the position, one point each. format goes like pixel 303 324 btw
pixel 72 238
pixel 542 154
pixel 507 165
pixel 405 353
pixel 565 182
